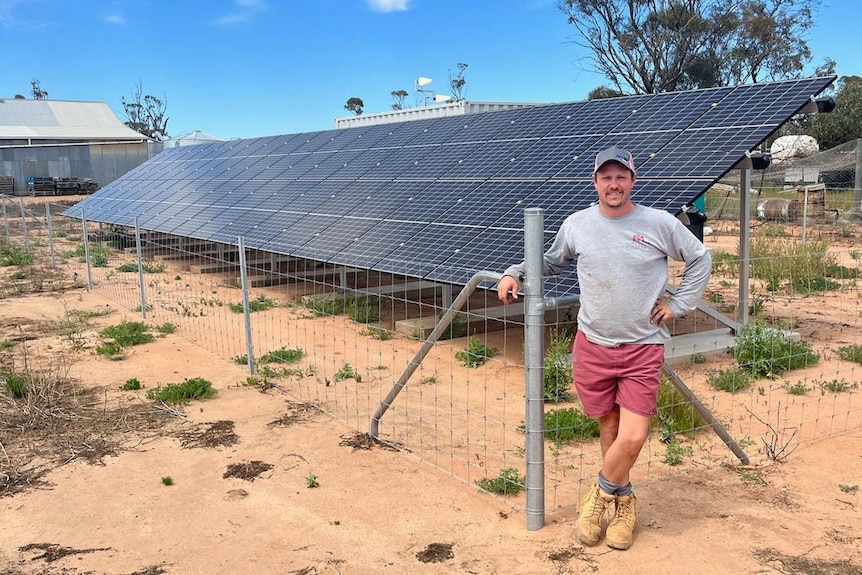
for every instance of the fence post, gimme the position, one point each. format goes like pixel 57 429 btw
pixel 533 351
pixel 24 223
pixel 858 182
pixel 50 234
pixel 140 270
pixel 243 274
pixel 87 250
pixel 6 222
pixel 744 241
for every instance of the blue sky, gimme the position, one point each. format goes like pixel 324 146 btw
pixel 248 68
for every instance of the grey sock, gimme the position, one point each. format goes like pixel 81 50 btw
pixel 607 485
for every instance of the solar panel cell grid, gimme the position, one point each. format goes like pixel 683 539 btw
pixel 443 196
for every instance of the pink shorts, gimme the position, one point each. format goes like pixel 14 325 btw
pixel 628 376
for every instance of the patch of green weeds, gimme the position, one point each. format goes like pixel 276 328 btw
pixel 15 256
pixel 798 388
pixel 767 352
pixel 260 303
pixel 729 380
pixel 724 263
pixel 311 481
pixel 558 367
pixel 128 333
pixel 328 304
pixel 241 359
pixel 569 424
pixel 782 261
pixel 848 488
pixel 148 267
pixel 836 386
pixel 111 350
pixel 674 414
pixel 751 476
pixel 476 354
pixel 16 385
pixel 429 379
pixel 850 353
pixel 675 452
pixel 167 480
pixel 508 482
pixel 166 328
pixel 7 344
pixel 364 309
pixel 347 372
pixel 177 393
pixel 131 384
pixel 377 333
pixel 698 358
pixel 18 275
pixel 283 355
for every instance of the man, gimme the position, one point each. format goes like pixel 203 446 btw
pixel 622 250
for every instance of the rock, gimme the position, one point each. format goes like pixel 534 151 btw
pixel 789 147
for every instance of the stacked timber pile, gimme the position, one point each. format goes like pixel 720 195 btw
pixel 6 184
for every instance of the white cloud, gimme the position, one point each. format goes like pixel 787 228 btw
pixel 245 9
pixel 114 19
pixel 389 5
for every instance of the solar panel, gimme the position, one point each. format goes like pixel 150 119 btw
pixel 444 197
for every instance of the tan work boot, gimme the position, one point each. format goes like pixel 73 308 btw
pixel 621 528
pixel 593 506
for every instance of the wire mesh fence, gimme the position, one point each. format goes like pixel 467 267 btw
pixel 340 338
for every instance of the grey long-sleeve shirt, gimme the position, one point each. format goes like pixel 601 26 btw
pixel 623 270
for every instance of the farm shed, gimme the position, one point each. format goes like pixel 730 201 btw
pixel 67 141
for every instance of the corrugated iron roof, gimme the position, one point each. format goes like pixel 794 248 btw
pixel 61 120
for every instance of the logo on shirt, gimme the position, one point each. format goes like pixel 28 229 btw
pixel 638 238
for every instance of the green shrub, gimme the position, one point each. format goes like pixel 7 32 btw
pixel 283 355
pixel 189 389
pixel 16 385
pixel 850 353
pixel 131 384
pixel 148 267
pixel 558 367
pixel 260 303
pixel 509 482
pixel 128 333
pixel 347 372
pixel 729 380
pixel 166 328
pixel 725 263
pixel 18 275
pixel 241 359
pixel 364 309
pixel 675 452
pixel 836 386
pixel 111 350
pixel 780 261
pixel 476 354
pixel 797 388
pixel 569 424
pixel 675 414
pixel 15 256
pixel 328 304
pixel 767 352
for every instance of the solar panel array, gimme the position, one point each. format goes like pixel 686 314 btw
pixel 443 198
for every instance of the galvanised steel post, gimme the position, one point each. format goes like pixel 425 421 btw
pixel 243 274
pixel 87 250
pixel 744 242
pixel 533 353
pixel 140 270
pixel 6 221
pixel 50 234
pixel 24 223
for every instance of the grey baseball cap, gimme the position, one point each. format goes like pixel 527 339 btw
pixel 615 154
